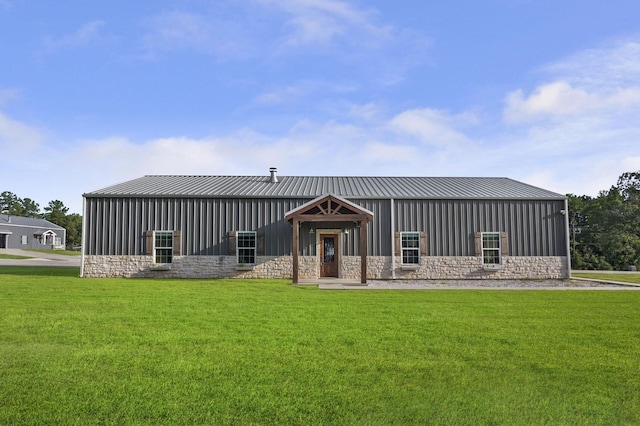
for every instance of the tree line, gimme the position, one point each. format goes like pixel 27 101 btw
pixel 55 212
pixel 605 230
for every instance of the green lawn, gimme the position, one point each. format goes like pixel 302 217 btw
pixel 626 277
pixel 141 351
pixel 13 256
pixel 60 252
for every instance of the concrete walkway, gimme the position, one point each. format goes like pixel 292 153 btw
pixel 39 259
pixel 571 284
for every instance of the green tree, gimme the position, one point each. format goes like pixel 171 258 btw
pixel 56 212
pixel 605 231
pixel 30 208
pixel 74 230
pixel 10 203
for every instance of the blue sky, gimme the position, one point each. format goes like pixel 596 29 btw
pixel 95 93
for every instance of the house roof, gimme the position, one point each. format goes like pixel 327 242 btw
pixel 9 224
pixel 314 186
pixel 33 222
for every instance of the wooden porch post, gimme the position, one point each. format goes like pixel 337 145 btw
pixel 363 252
pixel 296 249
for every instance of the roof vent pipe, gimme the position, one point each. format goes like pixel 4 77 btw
pixel 274 176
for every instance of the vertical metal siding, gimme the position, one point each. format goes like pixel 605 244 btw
pixel 534 227
pixel 378 232
pixel 116 226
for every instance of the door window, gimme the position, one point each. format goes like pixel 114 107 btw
pixel 329 251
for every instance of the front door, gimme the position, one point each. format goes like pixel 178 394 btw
pixel 328 256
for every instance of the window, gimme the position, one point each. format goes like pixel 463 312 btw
pixel 491 248
pixel 24 240
pixel 410 247
pixel 163 246
pixel 246 247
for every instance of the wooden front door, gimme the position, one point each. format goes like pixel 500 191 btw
pixel 328 255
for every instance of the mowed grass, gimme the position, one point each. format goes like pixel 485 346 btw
pixel 58 252
pixel 13 256
pixel 138 351
pixel 624 277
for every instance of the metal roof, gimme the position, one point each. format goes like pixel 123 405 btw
pixel 314 186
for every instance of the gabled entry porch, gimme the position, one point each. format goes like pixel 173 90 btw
pixel 334 209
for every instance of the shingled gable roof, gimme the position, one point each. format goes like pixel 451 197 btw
pixel 314 186
pixel 30 222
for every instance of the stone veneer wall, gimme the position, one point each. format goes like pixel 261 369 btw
pixel 459 268
pixel 378 267
pixel 197 267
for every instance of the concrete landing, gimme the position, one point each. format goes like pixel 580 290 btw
pixel 333 283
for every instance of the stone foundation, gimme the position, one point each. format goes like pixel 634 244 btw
pixel 187 267
pixel 378 267
pixel 459 268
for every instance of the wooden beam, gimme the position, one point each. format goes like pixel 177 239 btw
pixel 296 249
pixel 363 252
pixel 332 218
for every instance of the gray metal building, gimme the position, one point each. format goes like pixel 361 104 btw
pixel 18 232
pixel 243 226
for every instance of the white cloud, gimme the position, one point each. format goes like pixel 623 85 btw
pixel 18 140
pixel 559 99
pixel 187 31
pixel 322 22
pixel 271 30
pixel 385 153
pixel 595 83
pixel 549 100
pixel 88 34
pixel 578 132
pixel 606 68
pixel 433 127
pixel 302 92
pixel 285 95
pixel 368 112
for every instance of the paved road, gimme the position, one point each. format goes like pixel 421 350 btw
pixel 38 259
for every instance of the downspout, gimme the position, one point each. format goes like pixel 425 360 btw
pixel 393 246
pixel 84 235
pixel 568 236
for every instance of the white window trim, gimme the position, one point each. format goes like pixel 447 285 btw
pixel 254 248
pixel 402 249
pixel 498 249
pixel 155 256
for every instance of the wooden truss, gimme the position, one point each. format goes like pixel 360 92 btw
pixel 330 208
